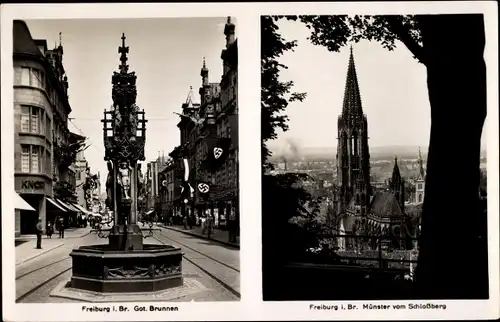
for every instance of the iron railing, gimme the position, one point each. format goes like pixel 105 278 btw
pixel 370 254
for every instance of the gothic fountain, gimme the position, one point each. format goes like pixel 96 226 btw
pixel 125 264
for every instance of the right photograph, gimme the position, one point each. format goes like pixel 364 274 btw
pixel 374 157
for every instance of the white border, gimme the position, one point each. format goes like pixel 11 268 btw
pixel 251 306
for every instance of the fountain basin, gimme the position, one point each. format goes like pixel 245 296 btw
pixel 102 268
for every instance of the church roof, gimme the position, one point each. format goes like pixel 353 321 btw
pixel 352 97
pixel 384 204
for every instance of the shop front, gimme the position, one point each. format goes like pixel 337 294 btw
pixel 33 189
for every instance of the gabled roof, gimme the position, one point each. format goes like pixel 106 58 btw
pixel 385 205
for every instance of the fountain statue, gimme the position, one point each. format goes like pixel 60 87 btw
pixel 125 264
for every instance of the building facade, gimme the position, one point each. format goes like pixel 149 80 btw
pixel 208 150
pixel 43 162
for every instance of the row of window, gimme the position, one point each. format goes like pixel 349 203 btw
pixel 31 77
pixel 35 159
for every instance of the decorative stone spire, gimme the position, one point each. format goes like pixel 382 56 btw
pixel 229 32
pixel 204 73
pixel 352 98
pixel 189 99
pixel 123 50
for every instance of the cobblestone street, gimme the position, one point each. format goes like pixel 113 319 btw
pixel 214 266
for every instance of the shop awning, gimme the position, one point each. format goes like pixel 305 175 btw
pixel 80 208
pixel 55 204
pixel 68 206
pixel 149 212
pixel 21 204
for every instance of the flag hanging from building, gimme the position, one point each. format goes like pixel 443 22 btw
pixel 218 149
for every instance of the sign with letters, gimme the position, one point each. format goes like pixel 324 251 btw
pixel 32 184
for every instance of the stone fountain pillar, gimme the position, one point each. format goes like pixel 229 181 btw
pixel 126 264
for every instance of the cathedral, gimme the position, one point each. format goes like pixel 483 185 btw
pixel 357 209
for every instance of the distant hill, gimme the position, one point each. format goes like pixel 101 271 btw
pixel 376 152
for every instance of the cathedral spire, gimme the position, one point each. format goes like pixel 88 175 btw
pixel 352 98
pixel 420 170
pixel 396 174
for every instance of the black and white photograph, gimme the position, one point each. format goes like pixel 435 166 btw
pixel 126 160
pixel 343 147
pixel 374 157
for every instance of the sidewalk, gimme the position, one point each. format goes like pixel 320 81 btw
pixel 26 249
pixel 26 244
pixel 68 233
pixel 221 236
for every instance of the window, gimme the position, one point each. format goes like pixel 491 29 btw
pixel 48 131
pixel 35 80
pixel 25 76
pixel 32 77
pixel 419 186
pixel 25 158
pixel 32 120
pixel 78 175
pixel 48 163
pixel 33 159
pixel 25 118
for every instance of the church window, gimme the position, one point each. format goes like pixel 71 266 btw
pixel 419 186
pixel 419 197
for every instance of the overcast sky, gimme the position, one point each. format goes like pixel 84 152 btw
pixel 392 85
pixel 166 54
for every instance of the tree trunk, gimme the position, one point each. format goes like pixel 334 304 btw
pixel 453 247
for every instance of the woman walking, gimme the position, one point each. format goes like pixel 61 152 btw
pixel 50 229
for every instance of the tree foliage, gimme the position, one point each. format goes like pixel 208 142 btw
pixel 275 94
pixel 334 32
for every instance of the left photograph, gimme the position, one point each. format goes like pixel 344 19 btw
pixel 126 160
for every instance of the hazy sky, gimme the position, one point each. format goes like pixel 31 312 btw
pixel 392 85
pixel 166 54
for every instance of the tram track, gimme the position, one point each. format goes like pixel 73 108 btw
pixel 42 284
pixel 210 274
pixel 40 268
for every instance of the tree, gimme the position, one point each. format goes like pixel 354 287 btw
pixel 275 95
pixel 452 48
pixel 281 198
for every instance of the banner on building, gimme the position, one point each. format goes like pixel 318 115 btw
pixel 218 150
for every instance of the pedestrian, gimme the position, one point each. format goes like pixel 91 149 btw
pixel 232 226
pixel 50 229
pixel 203 225
pixel 61 228
pixel 39 232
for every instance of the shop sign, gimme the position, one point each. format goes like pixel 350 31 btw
pixel 31 184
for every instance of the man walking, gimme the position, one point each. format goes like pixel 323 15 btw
pixel 232 227
pixel 61 228
pixel 39 232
